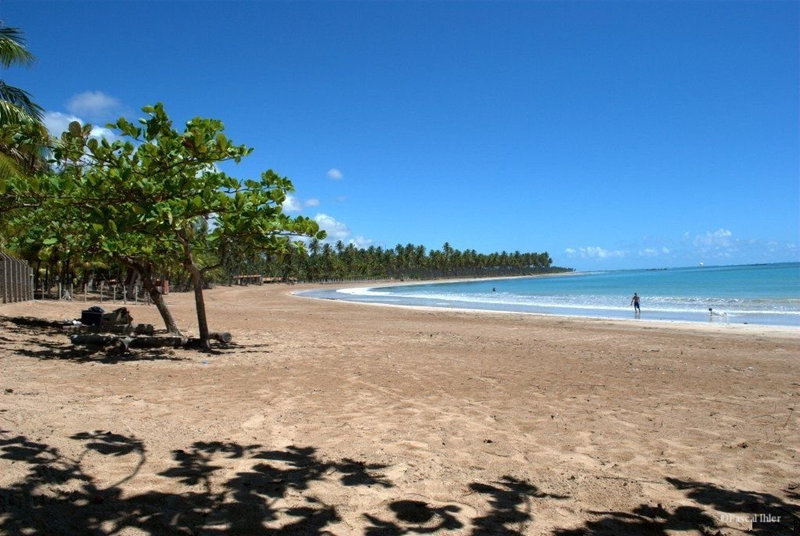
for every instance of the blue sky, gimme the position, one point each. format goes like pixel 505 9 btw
pixel 611 134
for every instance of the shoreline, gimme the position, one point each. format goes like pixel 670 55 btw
pixel 720 327
pixel 498 308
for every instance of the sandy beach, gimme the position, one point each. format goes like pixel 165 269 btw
pixel 328 417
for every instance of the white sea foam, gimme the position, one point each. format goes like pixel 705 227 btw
pixel 665 304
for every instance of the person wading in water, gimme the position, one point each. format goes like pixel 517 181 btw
pixel 635 303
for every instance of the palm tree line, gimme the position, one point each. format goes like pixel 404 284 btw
pixel 322 261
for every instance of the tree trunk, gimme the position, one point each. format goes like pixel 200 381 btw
pixel 197 283
pixel 158 300
pixel 147 282
pixel 131 279
pixel 200 305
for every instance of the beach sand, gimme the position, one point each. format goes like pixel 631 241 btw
pixel 337 418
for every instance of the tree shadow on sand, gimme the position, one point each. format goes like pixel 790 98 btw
pixel 57 496
pixel 748 512
pixel 45 339
pixel 271 491
pixel 510 511
pixel 228 488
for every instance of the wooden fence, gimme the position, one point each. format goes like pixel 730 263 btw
pixel 16 280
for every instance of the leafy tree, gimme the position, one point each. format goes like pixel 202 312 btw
pixel 154 198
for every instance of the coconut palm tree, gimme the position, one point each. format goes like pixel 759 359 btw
pixel 15 104
pixel 23 135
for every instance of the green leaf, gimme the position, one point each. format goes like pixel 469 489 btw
pixel 75 129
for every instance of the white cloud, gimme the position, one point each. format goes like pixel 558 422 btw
pixel 291 204
pixel 595 252
pixel 336 230
pixel 57 123
pixel 335 174
pixel 721 238
pixel 89 107
pixel 294 204
pixel 95 105
pixel 720 246
pixel 654 252
pixel 362 242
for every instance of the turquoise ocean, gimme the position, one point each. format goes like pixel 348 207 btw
pixel 766 294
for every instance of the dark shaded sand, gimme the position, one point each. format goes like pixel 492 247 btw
pixel 335 418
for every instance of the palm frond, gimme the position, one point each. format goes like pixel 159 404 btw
pixel 16 106
pixel 12 48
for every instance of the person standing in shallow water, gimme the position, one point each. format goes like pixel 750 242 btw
pixel 635 303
